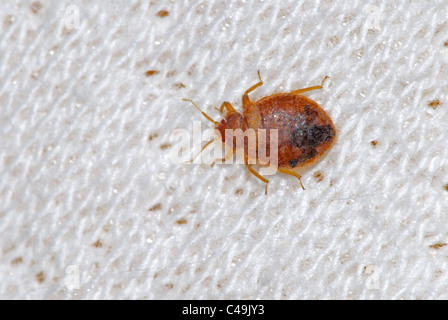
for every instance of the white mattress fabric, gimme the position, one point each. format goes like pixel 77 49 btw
pixel 93 207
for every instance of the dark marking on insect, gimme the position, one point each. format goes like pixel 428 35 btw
pixel 293 163
pixel 311 135
pixel 309 153
pixel 310 113
pixel 307 110
pixel 305 131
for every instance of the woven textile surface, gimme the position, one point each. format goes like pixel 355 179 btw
pixel 93 207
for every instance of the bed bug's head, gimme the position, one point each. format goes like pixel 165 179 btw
pixel 232 121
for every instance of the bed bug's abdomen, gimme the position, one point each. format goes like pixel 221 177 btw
pixel 305 130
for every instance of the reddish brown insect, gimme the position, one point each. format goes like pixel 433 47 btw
pixel 305 131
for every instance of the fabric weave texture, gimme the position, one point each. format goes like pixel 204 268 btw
pixel 92 207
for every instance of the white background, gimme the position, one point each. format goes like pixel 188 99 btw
pixel 91 206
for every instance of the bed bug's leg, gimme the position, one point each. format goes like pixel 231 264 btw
pixel 310 88
pixel 255 173
pixel 246 100
pixel 228 107
pixel 203 113
pixel 227 156
pixel 292 173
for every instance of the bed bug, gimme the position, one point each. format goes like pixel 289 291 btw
pixel 305 131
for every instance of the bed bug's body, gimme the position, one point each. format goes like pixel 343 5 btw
pixel 305 131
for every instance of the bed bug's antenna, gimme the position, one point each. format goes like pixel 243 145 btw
pixel 203 113
pixel 209 119
pixel 208 143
